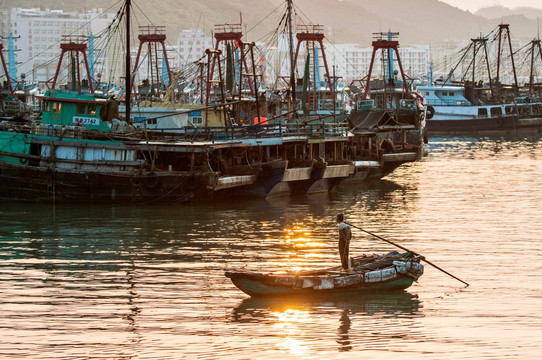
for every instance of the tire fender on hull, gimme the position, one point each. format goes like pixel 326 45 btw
pixel 430 112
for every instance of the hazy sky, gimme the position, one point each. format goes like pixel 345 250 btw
pixel 474 5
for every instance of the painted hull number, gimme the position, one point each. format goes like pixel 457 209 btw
pixel 85 120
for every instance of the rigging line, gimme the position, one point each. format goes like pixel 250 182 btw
pixel 265 37
pixel 265 18
pixel 54 45
pixel 340 54
pixel 82 27
pixel 296 8
pixel 193 40
pixel 270 35
pixel 114 5
pixel 453 70
pixel 144 15
pixel 116 50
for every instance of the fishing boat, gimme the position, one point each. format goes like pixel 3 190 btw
pixel 312 142
pixel 369 273
pixel 449 112
pixel 82 151
pixel 388 118
pixel 484 106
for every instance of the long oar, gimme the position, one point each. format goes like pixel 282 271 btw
pixel 405 249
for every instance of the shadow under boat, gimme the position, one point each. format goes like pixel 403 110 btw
pixel 250 181
pixel 256 309
pixel 316 177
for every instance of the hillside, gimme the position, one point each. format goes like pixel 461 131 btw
pixel 346 21
pixel 497 12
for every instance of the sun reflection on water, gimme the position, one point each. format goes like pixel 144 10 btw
pixel 287 324
pixel 301 248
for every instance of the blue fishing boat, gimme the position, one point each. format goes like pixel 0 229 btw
pixel 483 106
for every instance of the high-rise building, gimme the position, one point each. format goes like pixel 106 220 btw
pixel 192 44
pixel 352 62
pixel 38 34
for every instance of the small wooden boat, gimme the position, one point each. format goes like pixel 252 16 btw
pixel 374 273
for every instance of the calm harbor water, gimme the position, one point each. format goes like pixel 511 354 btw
pixel 147 282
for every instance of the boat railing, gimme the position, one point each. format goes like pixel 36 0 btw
pixel 451 102
pixel 150 30
pixel 314 130
pixel 328 105
pixel 58 130
pixel 228 28
pixel 310 29
pixel 407 104
pixel 365 105
pixel 322 105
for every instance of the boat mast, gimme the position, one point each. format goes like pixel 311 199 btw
pixel 505 28
pixel 534 44
pixel 6 71
pixel 291 46
pixel 128 82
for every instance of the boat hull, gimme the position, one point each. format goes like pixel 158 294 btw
pixel 256 288
pixel 52 169
pixel 41 184
pixel 261 184
pixel 495 125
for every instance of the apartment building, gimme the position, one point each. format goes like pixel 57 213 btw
pixel 38 34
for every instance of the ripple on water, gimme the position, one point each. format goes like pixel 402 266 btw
pixel 148 282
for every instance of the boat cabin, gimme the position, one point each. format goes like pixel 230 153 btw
pixel 68 108
pixel 443 95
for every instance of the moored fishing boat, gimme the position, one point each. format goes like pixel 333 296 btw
pixel 393 271
pixel 449 112
pixel 483 105
pixel 81 151
pixel 388 120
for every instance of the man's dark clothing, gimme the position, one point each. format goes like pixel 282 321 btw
pixel 345 234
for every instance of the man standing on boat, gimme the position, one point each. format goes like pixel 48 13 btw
pixel 345 234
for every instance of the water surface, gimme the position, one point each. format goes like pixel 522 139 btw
pixel 147 282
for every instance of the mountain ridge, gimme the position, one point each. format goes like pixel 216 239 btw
pixel 351 21
pixel 495 12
